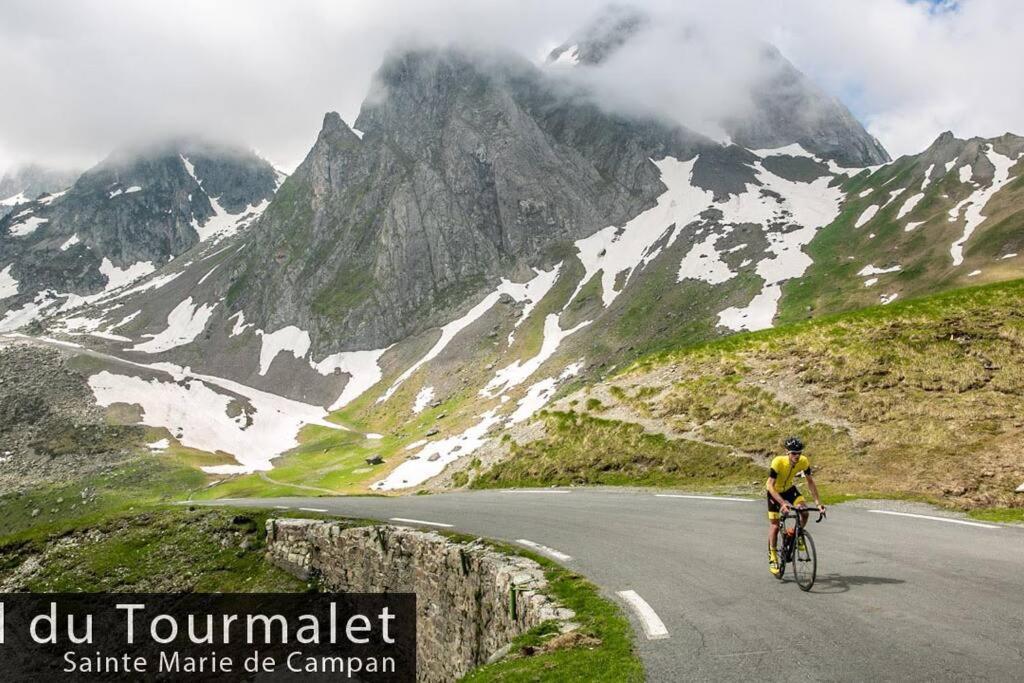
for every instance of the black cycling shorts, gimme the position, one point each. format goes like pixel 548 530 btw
pixel 791 495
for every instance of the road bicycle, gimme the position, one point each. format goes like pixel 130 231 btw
pixel 790 551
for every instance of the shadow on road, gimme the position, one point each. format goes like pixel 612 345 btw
pixel 839 583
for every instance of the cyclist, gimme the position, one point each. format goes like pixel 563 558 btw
pixel 783 493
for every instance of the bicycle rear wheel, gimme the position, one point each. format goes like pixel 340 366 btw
pixel 805 563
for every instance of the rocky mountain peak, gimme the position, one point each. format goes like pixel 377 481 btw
pixel 606 33
pixel 23 184
pixel 781 105
pixel 134 211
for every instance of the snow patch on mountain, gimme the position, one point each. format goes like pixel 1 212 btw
pixel 518 291
pixel 874 270
pixel 909 205
pixel 927 177
pixel 519 371
pixel 26 226
pixel 119 191
pixel 615 250
pixel 977 201
pixel 154 283
pixel 196 410
pixel 423 399
pixel 704 262
pixel 362 368
pixel 15 318
pixel 288 338
pixel 419 467
pixel 809 207
pixel 539 393
pixel 893 195
pixel 20 198
pixel 184 324
pixel 866 216
pixel 120 277
pixel 8 285
pixel 535 290
pixel 223 224
pixel 71 241
pixel 240 324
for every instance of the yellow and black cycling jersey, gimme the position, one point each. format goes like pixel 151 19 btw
pixel 784 472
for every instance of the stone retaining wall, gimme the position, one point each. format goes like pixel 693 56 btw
pixel 471 599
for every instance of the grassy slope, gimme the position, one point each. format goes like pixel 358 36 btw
pixel 893 401
pixel 146 481
pixel 841 250
pixel 160 550
pixel 583 449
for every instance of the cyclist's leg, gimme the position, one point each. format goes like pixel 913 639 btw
pixel 773 523
pixel 773 534
pixel 798 501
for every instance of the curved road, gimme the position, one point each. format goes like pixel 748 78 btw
pixel 897 597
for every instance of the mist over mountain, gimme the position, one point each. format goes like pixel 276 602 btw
pixel 728 85
pixel 22 184
pixel 122 219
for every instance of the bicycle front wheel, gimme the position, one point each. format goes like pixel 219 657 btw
pixel 805 563
pixel 780 553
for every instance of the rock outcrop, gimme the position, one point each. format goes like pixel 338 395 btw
pixel 471 599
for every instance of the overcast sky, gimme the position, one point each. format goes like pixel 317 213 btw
pixel 80 77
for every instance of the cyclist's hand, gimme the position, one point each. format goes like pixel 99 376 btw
pixel 821 508
pixel 785 508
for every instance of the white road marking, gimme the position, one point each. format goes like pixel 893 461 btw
pixel 534 491
pixel 281 507
pixel 654 627
pixel 313 509
pixel 545 550
pixel 950 520
pixel 679 495
pixel 419 521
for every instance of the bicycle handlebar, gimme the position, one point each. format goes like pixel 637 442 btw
pixel 795 511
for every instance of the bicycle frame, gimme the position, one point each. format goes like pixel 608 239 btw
pixel 788 543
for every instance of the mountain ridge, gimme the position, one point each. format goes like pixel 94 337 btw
pixel 483 239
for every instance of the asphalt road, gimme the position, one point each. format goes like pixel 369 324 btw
pixel 897 597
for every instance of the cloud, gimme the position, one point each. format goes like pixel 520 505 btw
pixel 911 70
pixel 81 77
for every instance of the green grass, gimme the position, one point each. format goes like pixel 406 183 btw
pixel 581 449
pixel 1005 515
pixel 840 250
pixel 143 482
pixel 328 459
pixel 159 550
